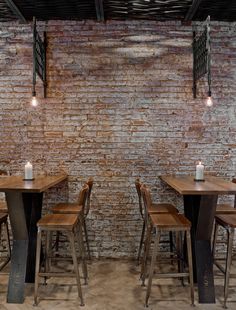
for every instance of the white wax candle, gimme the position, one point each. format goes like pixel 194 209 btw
pixel 199 172
pixel 28 171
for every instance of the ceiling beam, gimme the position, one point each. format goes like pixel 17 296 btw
pixel 192 10
pixel 99 10
pixel 15 10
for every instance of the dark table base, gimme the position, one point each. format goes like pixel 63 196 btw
pixel 200 210
pixel 24 212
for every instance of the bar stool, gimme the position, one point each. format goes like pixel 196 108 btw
pixel 151 209
pixel 166 222
pixel 81 208
pixel 228 222
pixel 66 223
pixel 4 222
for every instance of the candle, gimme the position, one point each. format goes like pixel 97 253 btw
pixel 199 172
pixel 28 171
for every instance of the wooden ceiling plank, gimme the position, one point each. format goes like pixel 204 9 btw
pixel 15 10
pixel 192 10
pixel 187 10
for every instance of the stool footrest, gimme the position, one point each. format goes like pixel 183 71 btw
pixel 56 274
pixel 172 275
pixel 63 258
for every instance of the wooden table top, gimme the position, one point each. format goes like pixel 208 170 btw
pixel 186 185
pixel 38 185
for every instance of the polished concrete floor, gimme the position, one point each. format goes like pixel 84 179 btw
pixel 113 285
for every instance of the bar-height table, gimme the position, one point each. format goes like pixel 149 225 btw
pixel 24 200
pixel 200 199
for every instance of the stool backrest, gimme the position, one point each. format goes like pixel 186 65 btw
pixel 87 204
pixel 147 200
pixel 138 185
pixel 83 196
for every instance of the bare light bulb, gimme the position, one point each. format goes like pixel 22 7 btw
pixel 34 101
pixel 209 102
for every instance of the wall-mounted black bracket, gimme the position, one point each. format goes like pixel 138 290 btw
pixel 99 10
pixel 39 58
pixel 16 10
pixel 201 56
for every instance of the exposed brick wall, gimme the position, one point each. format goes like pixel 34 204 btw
pixel 119 106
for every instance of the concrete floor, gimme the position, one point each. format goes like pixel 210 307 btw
pixel 113 285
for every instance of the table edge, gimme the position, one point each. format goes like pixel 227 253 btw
pixel 190 192
pixel 59 178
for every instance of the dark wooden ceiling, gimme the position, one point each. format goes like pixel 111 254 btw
pixel 161 10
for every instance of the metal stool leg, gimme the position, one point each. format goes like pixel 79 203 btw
pixel 145 255
pixel 8 241
pixel 177 238
pixel 38 252
pixel 86 238
pixel 230 236
pixel 171 241
pixel 171 245
pixel 48 243
pixel 179 249
pixel 79 239
pixel 214 240
pixel 190 266
pixel 74 257
pixel 154 256
pixel 141 242
pixel 57 241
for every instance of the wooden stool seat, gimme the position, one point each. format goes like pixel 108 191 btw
pixel 173 221
pixel 226 220
pixel 225 208
pixel 67 223
pixel 162 208
pixel 58 222
pixel 67 208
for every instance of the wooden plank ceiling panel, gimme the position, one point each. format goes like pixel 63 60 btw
pixel 6 13
pixel 223 10
pixel 57 9
pixel 146 9
pixel 160 10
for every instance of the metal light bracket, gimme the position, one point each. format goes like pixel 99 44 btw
pixel 39 58
pixel 201 56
